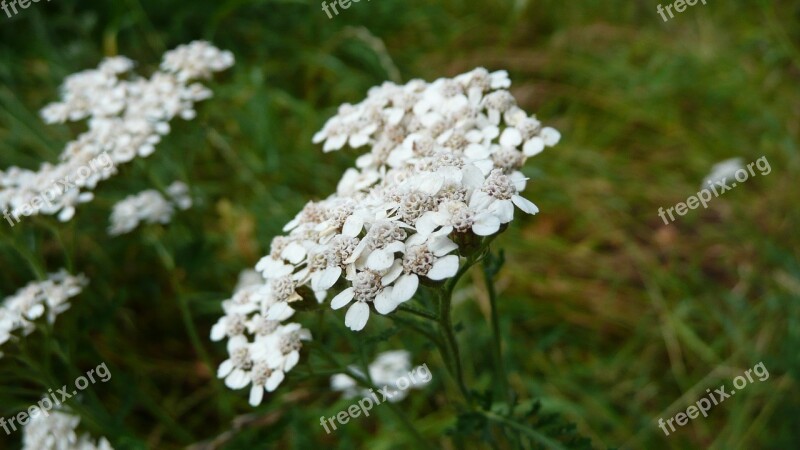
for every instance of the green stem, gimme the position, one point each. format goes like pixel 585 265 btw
pixel 502 379
pixel 446 324
pixel 446 321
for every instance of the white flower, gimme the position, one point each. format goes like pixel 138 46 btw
pixel 126 116
pixel 442 161
pixel 386 370
pixel 263 363
pixel 368 286
pixel 499 195
pixel 149 207
pixel 17 312
pixel 722 170
pixel 427 257
pixel 56 431
pixel 236 369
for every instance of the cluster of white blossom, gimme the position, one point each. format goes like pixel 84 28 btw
pixel 127 116
pixel 148 206
pixel 444 162
pixel 387 368
pixel 275 348
pixel 56 431
pixel 19 311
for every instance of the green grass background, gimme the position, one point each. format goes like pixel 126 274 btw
pixel 609 317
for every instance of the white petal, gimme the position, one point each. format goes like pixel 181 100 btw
pixel 511 137
pixel 472 177
pixel 416 239
pixel 476 151
pixel 237 379
pixel 444 268
pixel 327 278
pixel 485 165
pixel 441 245
pixel 395 115
pixel 519 179
pixel 225 368
pixel 491 132
pixel 533 147
pixel 395 246
pixel 431 184
pixel 279 311
pixel 274 380
pixel 429 221
pixel 335 142
pixel 486 225
pixel 362 245
pixel 341 382
pixel 392 273
pixel 399 156
pixel 380 259
pixel 550 135
pixel 503 209
pixel 405 287
pixel 66 214
pixel 293 253
pixel 358 140
pixel 218 330
pixel 343 298
pixel 384 303
pixel 352 226
pixel 480 201
pixel 524 204
pixel 357 316
pixel 256 395
pixel 291 361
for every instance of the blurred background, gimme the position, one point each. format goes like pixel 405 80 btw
pixel 611 318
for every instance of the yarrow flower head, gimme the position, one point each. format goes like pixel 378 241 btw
pixel 148 206
pixel 126 115
pixel 56 431
pixel 37 299
pixel 261 349
pixel 387 368
pixel 443 164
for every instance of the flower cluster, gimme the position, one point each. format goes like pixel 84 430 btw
pixel 148 206
pixel 275 349
pixel 443 164
pixel 387 368
pixel 56 431
pixel 126 115
pixel 19 311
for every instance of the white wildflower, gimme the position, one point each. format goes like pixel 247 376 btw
pixel 443 165
pixel 149 207
pixel 126 116
pixel 387 368
pixel 56 431
pixel 722 170
pixel 47 298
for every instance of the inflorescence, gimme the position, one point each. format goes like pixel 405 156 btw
pixel 444 164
